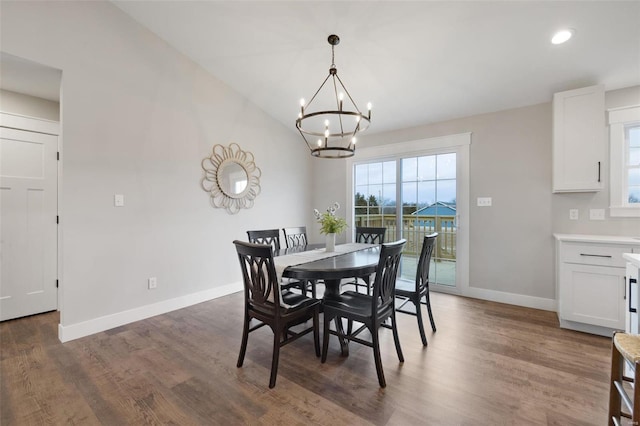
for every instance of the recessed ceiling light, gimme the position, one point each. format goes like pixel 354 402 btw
pixel 562 36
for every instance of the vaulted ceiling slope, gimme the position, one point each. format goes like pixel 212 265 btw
pixel 417 62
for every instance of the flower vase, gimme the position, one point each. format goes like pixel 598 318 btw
pixel 331 242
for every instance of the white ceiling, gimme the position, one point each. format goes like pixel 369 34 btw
pixel 417 62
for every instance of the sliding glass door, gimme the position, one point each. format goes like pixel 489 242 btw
pixel 412 196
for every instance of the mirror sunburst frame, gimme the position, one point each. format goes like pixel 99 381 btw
pixel 231 178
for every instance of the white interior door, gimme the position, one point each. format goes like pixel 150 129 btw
pixel 28 230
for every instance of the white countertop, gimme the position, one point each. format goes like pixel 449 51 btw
pixel 634 258
pixel 604 239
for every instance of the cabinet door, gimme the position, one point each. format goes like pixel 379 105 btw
pixel 579 139
pixel 593 295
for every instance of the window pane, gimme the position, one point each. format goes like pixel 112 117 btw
pixel 389 172
pixel 427 168
pixel 409 169
pixel 446 166
pixel 634 156
pixel 634 177
pixel 361 174
pixel 634 194
pixel 446 191
pixel 426 194
pixel 409 193
pixel 389 194
pixel 634 136
pixel 375 173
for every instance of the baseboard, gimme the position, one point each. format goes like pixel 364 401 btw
pixel 511 298
pixel 587 328
pixel 97 325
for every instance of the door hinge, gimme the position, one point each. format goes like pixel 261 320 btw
pixel 56 283
pixel 58 220
pixel 58 157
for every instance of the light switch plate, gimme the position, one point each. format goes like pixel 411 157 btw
pixel 596 214
pixel 118 200
pixel 574 214
pixel 484 201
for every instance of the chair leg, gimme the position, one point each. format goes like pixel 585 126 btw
pixel 316 330
pixel 433 324
pixel 276 355
pixel 420 322
pixel 616 375
pixel 377 358
pixel 635 416
pixel 396 338
pixel 325 338
pixel 243 346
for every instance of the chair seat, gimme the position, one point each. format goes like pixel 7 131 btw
pixel 351 302
pixel 297 300
pixel 628 345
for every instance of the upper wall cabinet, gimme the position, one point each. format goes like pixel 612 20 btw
pixel 579 140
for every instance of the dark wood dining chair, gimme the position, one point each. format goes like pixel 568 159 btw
pixel 265 236
pixel 266 302
pixel 372 311
pixel 272 238
pixel 414 291
pixel 295 237
pixel 367 235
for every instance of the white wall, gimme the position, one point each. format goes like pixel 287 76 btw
pixel 137 119
pixel 30 106
pixel 511 243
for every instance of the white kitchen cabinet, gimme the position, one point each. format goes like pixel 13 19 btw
pixel 592 291
pixel 633 274
pixel 579 140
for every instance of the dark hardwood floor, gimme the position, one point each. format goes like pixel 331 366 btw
pixel 488 364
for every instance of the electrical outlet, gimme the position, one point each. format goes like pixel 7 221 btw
pixel 118 200
pixel 596 214
pixel 152 282
pixel 574 214
pixel 484 201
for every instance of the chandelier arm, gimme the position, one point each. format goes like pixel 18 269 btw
pixel 349 95
pixel 306 141
pixel 318 91
pixel 335 91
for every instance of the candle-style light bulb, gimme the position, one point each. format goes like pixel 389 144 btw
pixel 354 140
pixel 301 107
pixel 302 102
pixel 326 133
pixel 340 98
pixel 369 108
pixel 319 142
pixel 326 123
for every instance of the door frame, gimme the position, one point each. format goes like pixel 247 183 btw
pixel 49 127
pixel 458 143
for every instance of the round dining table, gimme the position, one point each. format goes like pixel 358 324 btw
pixel 332 270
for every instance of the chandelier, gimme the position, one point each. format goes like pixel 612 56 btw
pixel 330 129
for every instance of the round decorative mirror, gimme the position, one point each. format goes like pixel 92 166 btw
pixel 231 178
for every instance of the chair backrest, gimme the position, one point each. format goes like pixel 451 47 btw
pixel 294 237
pixel 261 288
pixel 422 273
pixel 266 236
pixel 384 285
pixel 370 235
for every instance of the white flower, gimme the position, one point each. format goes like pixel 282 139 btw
pixel 316 213
pixel 336 206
